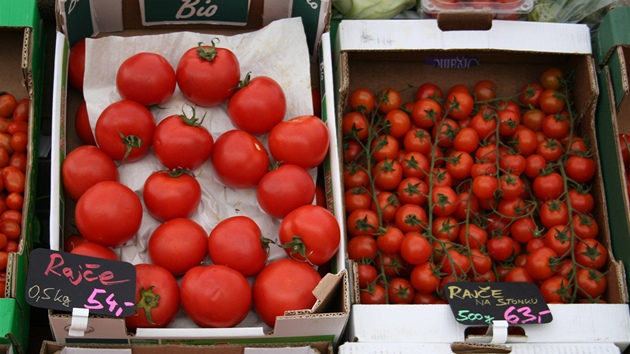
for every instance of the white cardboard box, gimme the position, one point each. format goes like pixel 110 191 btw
pixel 376 53
pixel 332 293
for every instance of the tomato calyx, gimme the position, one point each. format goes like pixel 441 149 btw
pixel 243 83
pixel 192 121
pixel 148 301
pixel 297 246
pixel 131 142
pixel 208 53
pixel 177 172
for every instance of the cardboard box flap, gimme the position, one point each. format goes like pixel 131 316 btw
pixel 331 293
pixel 619 72
pixel 612 31
pixel 404 35
pixel 84 19
pixel 19 14
pixel 14 59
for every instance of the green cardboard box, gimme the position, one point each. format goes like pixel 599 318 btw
pixel 21 38
pixel 611 47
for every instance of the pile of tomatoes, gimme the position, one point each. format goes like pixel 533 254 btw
pixel 14 120
pixel 469 185
pixel 216 274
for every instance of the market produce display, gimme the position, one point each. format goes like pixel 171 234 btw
pixel 471 184
pixel 208 182
pixel 14 120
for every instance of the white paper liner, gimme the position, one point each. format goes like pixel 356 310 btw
pixel 278 50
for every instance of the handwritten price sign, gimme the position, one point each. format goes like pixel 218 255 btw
pixel 63 281
pixel 482 303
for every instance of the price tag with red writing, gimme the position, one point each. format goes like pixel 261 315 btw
pixel 63 281
pixel 482 303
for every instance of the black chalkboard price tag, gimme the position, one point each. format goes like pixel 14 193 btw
pixel 475 303
pixel 63 281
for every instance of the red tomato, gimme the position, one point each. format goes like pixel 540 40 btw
pixel 417 140
pixel 397 123
pixel 554 212
pixel 85 166
pixel 428 90
pixel 387 174
pixel 356 198
pixel 591 283
pixel 171 194
pixel 559 239
pixel 556 290
pixel 4 261
pixel 239 159
pixel 550 149
pixel 301 141
pixel 426 112
pixel 362 247
pixel 551 101
pixel 208 75
pixel 485 124
pixel 282 190
pixel 257 105
pixel 124 130
pixel 556 126
pixel 411 217
pixel 284 285
pixel 500 248
pixel 310 233
pixel 354 125
pixel 551 78
pixel 215 296
pixel 180 141
pixel 76 65
pixel 21 110
pixel 459 104
pixel 362 100
pixel 175 238
pixel 444 201
pixel 386 204
pixel 82 125
pixel 237 242
pixel 524 229
pixel 424 277
pixel 415 249
pixel 373 294
pixel 455 263
pixel 539 263
pixel 73 241
pixel 485 90
pixel 590 253
pixel 533 118
pixel 384 146
pixel 415 164
pixel 530 94
pixel 582 201
pixel 366 275
pixel 147 78
pixel 13 179
pixel 388 100
pixel 157 297
pixel 108 213
pixel 585 226
pixel 484 186
pixel 390 240
pixel 93 249
pixel 412 190
pixel 400 291
pixel 549 186
pixel 467 139
pixel 580 169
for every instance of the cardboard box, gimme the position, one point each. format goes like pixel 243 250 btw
pixel 511 53
pixel 284 348
pixel 328 317
pixel 514 348
pixel 612 49
pixel 22 37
